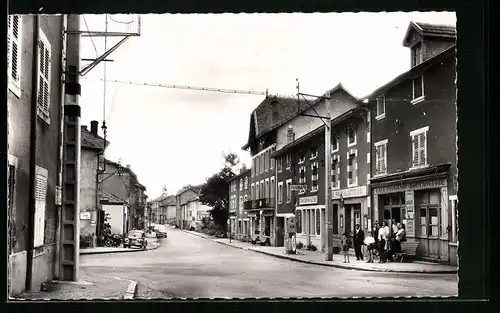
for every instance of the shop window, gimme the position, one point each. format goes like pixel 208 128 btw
pixel 429 222
pixel 312 221
pixel 318 222
pixel 335 221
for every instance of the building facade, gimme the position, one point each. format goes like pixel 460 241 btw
pixel 414 153
pixel 239 192
pixel 182 197
pixel 34 101
pixel 169 208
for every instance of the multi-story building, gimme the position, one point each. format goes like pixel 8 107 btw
pixel 169 210
pixel 239 192
pixel 34 101
pixel 414 155
pixel 182 197
pixel 300 161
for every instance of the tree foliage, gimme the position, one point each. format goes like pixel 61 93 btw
pixel 215 191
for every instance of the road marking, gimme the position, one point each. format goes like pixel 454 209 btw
pixel 130 293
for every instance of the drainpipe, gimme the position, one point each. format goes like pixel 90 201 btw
pixel 33 154
pixel 61 142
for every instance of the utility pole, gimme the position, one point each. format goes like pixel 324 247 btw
pixel 328 184
pixel 70 230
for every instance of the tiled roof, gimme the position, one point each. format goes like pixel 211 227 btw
pixel 170 200
pixel 91 141
pixel 107 197
pixel 437 29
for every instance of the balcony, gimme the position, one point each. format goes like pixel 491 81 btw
pixel 259 204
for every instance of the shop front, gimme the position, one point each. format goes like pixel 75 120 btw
pixel 421 204
pixel 261 219
pixel 351 206
pixel 310 223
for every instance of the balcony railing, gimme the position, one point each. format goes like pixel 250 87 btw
pixel 259 204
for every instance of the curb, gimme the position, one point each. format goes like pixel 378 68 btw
pixel 131 291
pixel 284 257
pixel 120 251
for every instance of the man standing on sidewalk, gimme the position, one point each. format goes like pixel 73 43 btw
pixel 359 237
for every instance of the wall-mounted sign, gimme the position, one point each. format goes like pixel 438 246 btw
pixel 300 188
pixel 350 192
pixel 92 222
pixel 290 225
pixel 410 211
pixel 85 215
pixel 308 200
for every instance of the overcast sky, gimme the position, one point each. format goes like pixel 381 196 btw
pixel 175 137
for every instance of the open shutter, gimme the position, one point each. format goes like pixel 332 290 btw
pixel 40 201
pixel 383 165
pixel 14 49
pixel 422 149
pixel 415 149
pixel 44 53
pixel 378 161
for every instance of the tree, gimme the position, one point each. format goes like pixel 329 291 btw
pixel 215 191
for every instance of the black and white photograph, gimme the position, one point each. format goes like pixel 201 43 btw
pixel 252 155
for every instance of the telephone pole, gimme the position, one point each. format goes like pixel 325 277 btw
pixel 328 184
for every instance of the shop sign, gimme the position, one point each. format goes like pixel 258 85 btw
pixel 85 215
pixel 410 211
pixel 434 183
pixel 350 192
pixel 308 200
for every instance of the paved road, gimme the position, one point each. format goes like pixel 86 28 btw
pixel 187 266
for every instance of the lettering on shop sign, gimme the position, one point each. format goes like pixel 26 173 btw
pixel 420 185
pixel 350 192
pixel 85 215
pixel 308 200
pixel 409 227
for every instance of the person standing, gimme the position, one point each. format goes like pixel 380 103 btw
pixel 383 235
pixel 376 228
pixel 359 237
pixel 370 246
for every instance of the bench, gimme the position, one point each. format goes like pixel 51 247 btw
pixel 408 248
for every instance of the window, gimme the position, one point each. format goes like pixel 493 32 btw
pixel 241 184
pixel 302 157
pixel 272 188
pixel 288 161
pixel 419 147
pixel 266 192
pixel 314 176
pixel 418 89
pixel 40 199
pixel 288 191
pixel 266 160
pixel 312 221
pixel 280 192
pixel 279 164
pixel 352 179
pixel 302 177
pixel 241 205
pixel 380 108
pixel 429 212
pixel 246 183
pixel 44 78
pixel 246 198
pixel 261 191
pixel 252 192
pixel 416 54
pixel 335 172
pixel 381 157
pixel 335 143
pixel 298 214
pixel 351 135
pixel 253 167
pixel 272 159
pixel 257 191
pixel 314 152
pixel 318 221
pixel 14 41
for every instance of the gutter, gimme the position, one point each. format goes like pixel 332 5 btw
pixel 33 154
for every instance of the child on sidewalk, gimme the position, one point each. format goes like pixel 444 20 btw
pixel 370 245
pixel 346 243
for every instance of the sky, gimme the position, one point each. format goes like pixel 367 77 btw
pixel 174 137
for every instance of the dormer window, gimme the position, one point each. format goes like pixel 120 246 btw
pixel 416 52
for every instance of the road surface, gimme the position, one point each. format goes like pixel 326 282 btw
pixel 187 266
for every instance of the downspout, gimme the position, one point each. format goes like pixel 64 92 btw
pixel 33 154
pixel 61 142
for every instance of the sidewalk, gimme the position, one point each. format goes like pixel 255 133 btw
pixel 94 287
pixel 318 258
pixel 153 243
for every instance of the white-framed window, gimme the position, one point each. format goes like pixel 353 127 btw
pixel 380 108
pixel 241 205
pixel 279 165
pixel 273 186
pixel 352 169
pixel 314 177
pixel 418 93
pixel 40 202
pixel 44 77
pixel 288 161
pixel 302 175
pixel 351 135
pixel 335 172
pixel 14 55
pixel 252 191
pixel 419 147
pixel 261 163
pixel 280 192
pixel 253 167
pixel 266 161
pixel 246 183
pixel 381 157
pixel 314 152
pixel 245 199
pixel 335 143
pixel 241 184
pixel 261 191
pixel 273 149
pixel 257 191
pixel 267 191
pixel 416 54
pixel 302 157
pixel 288 191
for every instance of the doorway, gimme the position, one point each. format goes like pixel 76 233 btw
pixel 347 219
pixel 280 231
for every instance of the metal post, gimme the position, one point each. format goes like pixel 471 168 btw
pixel 328 185
pixel 70 240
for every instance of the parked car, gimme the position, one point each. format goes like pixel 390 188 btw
pixel 136 238
pixel 161 231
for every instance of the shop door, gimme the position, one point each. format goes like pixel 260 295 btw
pixel 347 219
pixel 280 232
pixel 357 215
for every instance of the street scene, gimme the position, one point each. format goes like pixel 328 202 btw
pixel 227 164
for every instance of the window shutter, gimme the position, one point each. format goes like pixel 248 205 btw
pixel 422 144
pixel 378 165
pixel 9 43
pixel 40 198
pixel 44 77
pixel 14 48
pixel 415 149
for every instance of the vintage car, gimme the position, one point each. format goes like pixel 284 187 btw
pixel 136 238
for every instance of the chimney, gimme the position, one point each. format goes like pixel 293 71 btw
pixel 290 134
pixel 84 127
pixel 93 127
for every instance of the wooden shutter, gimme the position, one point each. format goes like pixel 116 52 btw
pixel 415 149
pixel 40 202
pixel 14 49
pixel 378 163
pixel 421 147
pixel 44 71
pixel 383 157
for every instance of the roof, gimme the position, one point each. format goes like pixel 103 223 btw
pixel 413 72
pixel 192 199
pixel 342 117
pixel 110 198
pixel 287 108
pixel 242 173
pixel 194 188
pixel 91 141
pixel 426 29
pixel 170 200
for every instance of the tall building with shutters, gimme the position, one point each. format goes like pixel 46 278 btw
pixel 34 101
pixel 414 152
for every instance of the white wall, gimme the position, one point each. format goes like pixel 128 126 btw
pixel 117 217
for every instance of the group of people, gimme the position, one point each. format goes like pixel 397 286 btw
pixel 383 241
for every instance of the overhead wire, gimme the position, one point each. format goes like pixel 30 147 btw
pixel 91 39
pixel 121 22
